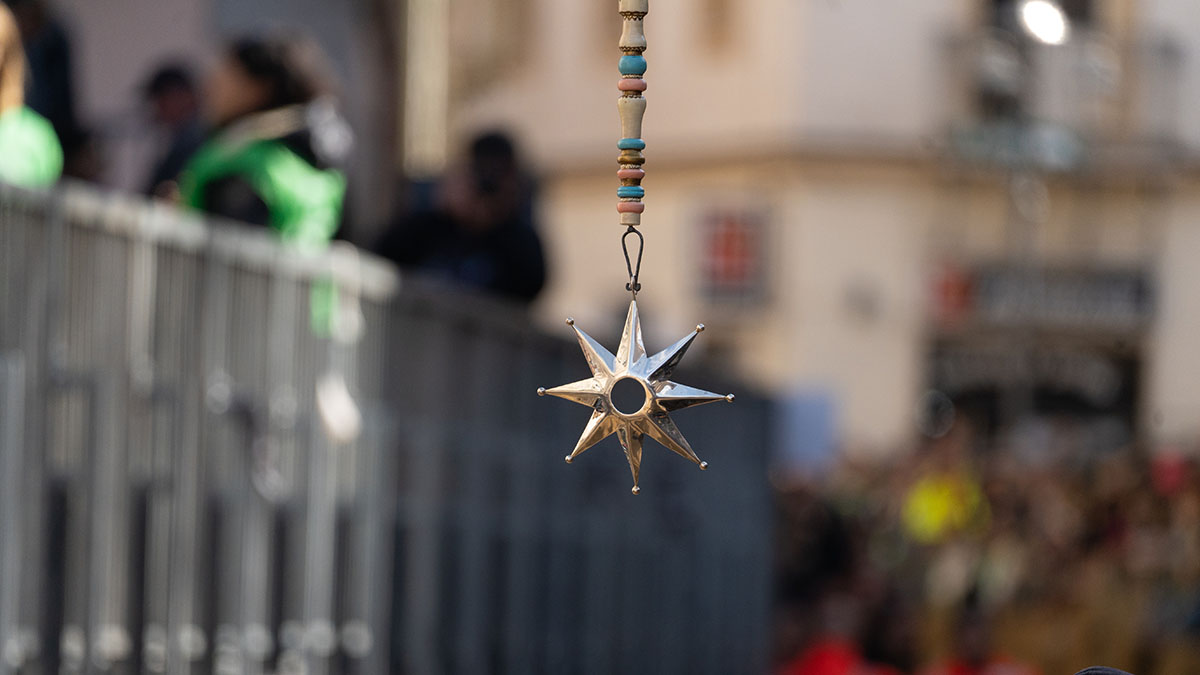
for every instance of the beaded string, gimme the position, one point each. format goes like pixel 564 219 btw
pixel 632 108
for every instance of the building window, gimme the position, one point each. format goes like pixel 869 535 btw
pixel 1004 55
pixel 733 260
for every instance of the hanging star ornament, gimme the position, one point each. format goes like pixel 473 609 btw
pixel 631 369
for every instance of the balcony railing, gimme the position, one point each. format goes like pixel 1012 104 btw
pixel 1091 101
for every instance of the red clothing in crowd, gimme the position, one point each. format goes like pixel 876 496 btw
pixel 832 656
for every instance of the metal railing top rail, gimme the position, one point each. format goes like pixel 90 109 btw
pixel 226 241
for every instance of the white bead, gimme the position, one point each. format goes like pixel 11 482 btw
pixel 641 6
pixel 633 35
pixel 632 110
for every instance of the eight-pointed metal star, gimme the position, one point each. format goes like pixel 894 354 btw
pixel 659 396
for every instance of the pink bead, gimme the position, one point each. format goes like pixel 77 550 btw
pixel 631 173
pixel 630 207
pixel 631 84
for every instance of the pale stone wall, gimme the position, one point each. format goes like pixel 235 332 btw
pixel 1172 408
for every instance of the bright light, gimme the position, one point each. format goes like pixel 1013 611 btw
pixel 1045 21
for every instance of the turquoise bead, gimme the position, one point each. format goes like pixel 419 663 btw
pixel 631 144
pixel 632 64
pixel 631 191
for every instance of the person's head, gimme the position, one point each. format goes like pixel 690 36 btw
pixel 486 191
pixel 493 161
pixel 258 74
pixel 12 62
pixel 171 93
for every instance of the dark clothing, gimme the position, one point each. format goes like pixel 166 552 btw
pixel 289 181
pixel 184 143
pixel 51 91
pixel 235 198
pixel 506 260
pixel 1101 670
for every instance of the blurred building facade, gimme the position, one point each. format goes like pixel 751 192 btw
pixel 895 208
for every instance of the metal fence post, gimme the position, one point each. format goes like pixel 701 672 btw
pixel 12 447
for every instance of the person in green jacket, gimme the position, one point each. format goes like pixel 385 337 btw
pixel 30 154
pixel 279 142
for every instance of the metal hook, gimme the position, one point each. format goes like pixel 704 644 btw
pixel 634 271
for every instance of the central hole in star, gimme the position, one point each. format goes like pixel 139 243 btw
pixel 628 395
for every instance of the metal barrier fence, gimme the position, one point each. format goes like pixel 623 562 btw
pixel 217 456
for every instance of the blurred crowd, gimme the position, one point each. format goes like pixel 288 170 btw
pixel 260 138
pixel 960 561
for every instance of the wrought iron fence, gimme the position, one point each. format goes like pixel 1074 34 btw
pixel 220 456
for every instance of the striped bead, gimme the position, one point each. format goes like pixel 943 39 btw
pixel 631 192
pixel 631 144
pixel 633 64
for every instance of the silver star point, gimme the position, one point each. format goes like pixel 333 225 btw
pixel 661 395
